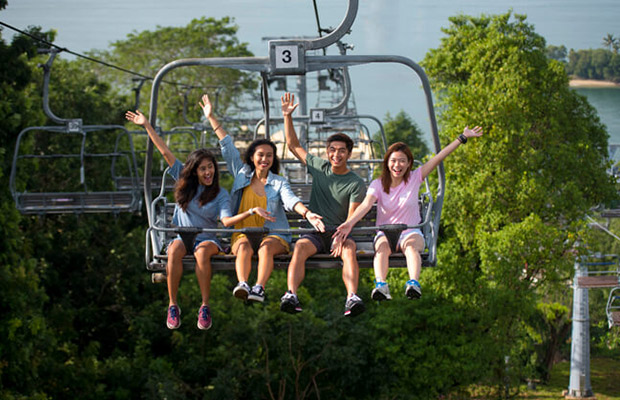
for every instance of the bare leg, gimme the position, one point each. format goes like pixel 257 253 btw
pixel 174 269
pixel 350 267
pixel 268 248
pixel 243 263
pixel 203 255
pixel 297 267
pixel 412 246
pixel 381 260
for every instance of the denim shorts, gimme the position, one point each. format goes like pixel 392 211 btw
pixel 200 240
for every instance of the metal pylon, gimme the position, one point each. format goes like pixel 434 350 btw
pixel 579 385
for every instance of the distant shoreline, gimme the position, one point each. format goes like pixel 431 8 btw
pixel 592 83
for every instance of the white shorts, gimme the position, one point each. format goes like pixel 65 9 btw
pixel 404 235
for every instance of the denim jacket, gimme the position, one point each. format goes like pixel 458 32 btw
pixel 277 189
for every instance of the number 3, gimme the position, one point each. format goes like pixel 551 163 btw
pixel 286 56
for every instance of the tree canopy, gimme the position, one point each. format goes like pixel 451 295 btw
pixel 148 51
pixel 401 128
pixel 516 196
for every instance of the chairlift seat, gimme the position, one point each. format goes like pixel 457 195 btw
pixel 163 210
pixel 592 282
pixel 77 202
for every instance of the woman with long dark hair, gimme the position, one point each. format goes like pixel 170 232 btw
pixel 261 193
pixel 199 203
pixel 396 195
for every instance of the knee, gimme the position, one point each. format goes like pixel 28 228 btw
pixel 203 254
pixel 303 250
pixel 243 247
pixel 383 248
pixel 176 249
pixel 413 245
pixel 349 249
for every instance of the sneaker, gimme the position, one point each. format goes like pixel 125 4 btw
pixel 204 318
pixel 413 289
pixel 174 317
pixel 242 290
pixel 257 294
pixel 381 292
pixel 353 306
pixel 290 303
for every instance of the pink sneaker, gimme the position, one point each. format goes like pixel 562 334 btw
pixel 204 318
pixel 174 317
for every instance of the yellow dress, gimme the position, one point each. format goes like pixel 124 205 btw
pixel 249 199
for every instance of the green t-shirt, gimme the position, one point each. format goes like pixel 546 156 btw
pixel 331 193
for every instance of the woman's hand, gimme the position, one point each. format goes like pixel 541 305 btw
pixel 288 104
pixel 264 213
pixel 137 118
pixel 476 132
pixel 316 221
pixel 206 106
pixel 342 232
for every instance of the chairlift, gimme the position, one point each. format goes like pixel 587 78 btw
pixel 61 169
pixel 288 57
pixel 613 307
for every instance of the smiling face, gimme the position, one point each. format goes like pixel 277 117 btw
pixel 338 154
pixel 263 158
pixel 398 164
pixel 205 172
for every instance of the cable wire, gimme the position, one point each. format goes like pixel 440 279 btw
pixel 104 63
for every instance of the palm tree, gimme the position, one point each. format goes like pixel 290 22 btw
pixel 610 41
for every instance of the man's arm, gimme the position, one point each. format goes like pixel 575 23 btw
pixel 288 106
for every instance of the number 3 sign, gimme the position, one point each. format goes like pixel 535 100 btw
pixel 287 58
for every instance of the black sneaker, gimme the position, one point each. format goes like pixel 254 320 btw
pixel 290 303
pixel 257 293
pixel 413 289
pixel 353 306
pixel 241 291
pixel 381 292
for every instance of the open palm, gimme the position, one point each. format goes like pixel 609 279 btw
pixel 288 103
pixel 137 118
pixel 206 106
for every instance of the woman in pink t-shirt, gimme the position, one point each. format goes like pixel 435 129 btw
pixel 396 195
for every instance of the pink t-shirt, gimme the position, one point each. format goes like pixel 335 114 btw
pixel 400 206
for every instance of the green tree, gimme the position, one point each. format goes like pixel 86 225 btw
pixel 515 202
pixel 557 53
pixel 148 51
pixel 401 128
pixel 610 41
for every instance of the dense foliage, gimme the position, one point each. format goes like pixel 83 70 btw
pixel 518 194
pixel 599 64
pixel 80 318
pixel 401 128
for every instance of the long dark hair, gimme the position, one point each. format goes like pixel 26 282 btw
pixel 249 153
pixel 188 182
pixel 386 178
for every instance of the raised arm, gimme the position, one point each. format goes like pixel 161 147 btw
pixel 430 165
pixel 207 110
pixel 139 119
pixel 288 106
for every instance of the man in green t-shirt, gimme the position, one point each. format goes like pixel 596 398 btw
pixel 336 193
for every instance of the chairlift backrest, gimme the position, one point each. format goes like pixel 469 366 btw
pixel 69 169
